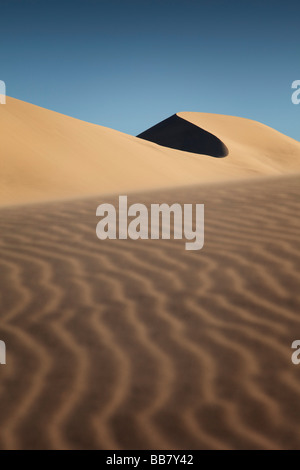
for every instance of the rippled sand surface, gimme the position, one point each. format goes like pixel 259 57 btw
pixel 123 344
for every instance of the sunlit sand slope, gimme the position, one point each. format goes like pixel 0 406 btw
pixel 46 155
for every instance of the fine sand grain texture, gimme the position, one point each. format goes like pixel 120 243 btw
pixel 141 344
pixel 47 156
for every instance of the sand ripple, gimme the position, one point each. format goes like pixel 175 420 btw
pixel 123 344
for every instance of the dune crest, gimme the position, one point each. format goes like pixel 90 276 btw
pixel 46 155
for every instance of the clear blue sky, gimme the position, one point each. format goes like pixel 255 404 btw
pixel 128 64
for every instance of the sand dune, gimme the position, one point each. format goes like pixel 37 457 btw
pixel 123 344
pixel 141 344
pixel 46 155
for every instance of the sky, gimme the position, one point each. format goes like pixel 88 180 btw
pixel 129 64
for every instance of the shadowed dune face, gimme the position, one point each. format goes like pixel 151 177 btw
pixel 179 134
pixel 126 344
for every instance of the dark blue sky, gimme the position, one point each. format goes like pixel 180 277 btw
pixel 128 64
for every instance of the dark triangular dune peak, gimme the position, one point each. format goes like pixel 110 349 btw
pixel 177 133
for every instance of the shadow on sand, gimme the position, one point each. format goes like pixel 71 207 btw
pixel 177 133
